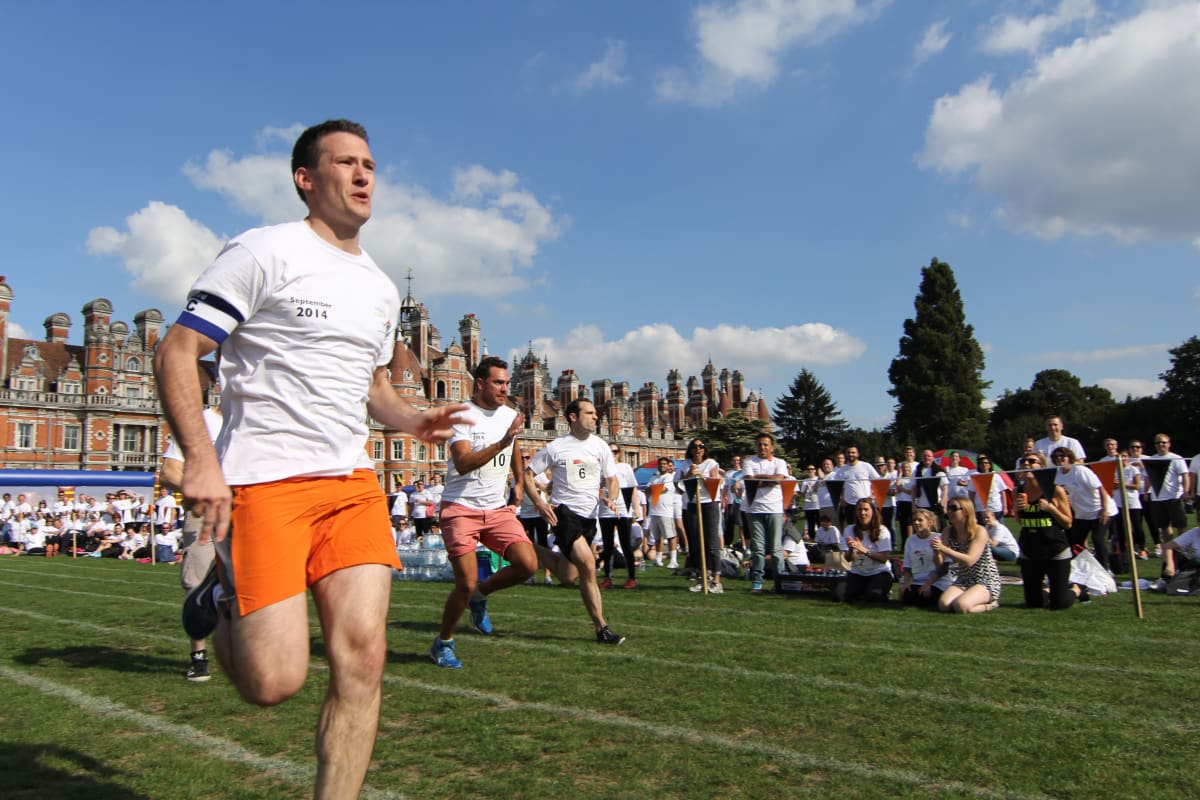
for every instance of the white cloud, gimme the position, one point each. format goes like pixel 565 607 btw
pixel 271 135
pixel 15 331
pixel 606 73
pixel 1016 34
pixel 1131 387
pixel 162 248
pixel 481 240
pixel 648 353
pixel 1097 138
pixel 932 42
pixel 741 44
pixel 1102 354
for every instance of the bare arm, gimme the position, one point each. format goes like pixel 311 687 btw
pixel 203 485
pixel 539 503
pixel 172 473
pixel 468 460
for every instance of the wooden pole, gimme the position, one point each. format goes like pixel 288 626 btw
pixel 1133 570
pixel 700 537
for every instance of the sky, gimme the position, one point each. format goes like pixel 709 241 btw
pixel 631 187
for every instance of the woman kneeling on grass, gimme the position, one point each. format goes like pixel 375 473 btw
pixel 965 546
pixel 870 545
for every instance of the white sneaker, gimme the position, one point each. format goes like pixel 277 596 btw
pixel 698 586
pixel 715 588
pixel 658 562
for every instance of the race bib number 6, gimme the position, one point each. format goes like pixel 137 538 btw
pixel 583 474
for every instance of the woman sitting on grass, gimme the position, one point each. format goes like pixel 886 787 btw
pixel 870 545
pixel 964 545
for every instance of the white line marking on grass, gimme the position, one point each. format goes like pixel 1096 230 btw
pixel 180 640
pixel 125 598
pixel 82 576
pixel 917 649
pixel 757 747
pixel 225 749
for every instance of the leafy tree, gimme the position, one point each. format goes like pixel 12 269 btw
pixel 1018 415
pixel 807 419
pixel 937 377
pixel 728 436
pixel 872 444
pixel 1181 396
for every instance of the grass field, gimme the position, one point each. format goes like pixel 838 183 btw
pixel 724 696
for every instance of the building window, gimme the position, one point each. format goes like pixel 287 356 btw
pixel 129 440
pixel 70 387
pixel 377 451
pixel 71 435
pixel 133 365
pixel 422 453
pixel 27 384
pixel 441 390
pixel 441 452
pixel 455 390
pixel 133 392
pixel 397 450
pixel 25 435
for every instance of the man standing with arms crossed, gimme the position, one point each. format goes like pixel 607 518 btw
pixel 475 506
pixel 306 325
pixel 578 462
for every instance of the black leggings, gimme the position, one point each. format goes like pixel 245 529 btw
pixel 1058 571
pixel 712 536
pixel 623 527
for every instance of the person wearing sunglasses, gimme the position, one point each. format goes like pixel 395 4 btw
pixel 1045 549
pixel 964 547
pixel 1091 505
pixel 707 512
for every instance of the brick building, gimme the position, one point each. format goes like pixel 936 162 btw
pixel 95 406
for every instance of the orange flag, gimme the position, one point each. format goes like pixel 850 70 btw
pixel 879 490
pixel 983 486
pixel 1106 471
pixel 789 488
pixel 656 490
pixel 712 485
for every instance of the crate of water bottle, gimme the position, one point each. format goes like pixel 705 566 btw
pixel 433 541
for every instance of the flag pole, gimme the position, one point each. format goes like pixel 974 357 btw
pixel 1128 525
pixel 700 542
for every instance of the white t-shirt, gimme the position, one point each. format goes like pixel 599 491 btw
pixel 400 504
pixel 1046 446
pixel 830 536
pixel 1003 537
pixel 625 480
pixel 487 487
pixel 993 501
pixel 577 467
pixel 858 477
pixel 423 504
pixel 708 468
pixel 665 507
pixel 302 327
pixel 959 481
pixel 1189 543
pixel 769 497
pixel 797 553
pixel 808 490
pixel 1083 489
pixel 165 509
pixel 1173 482
pixel 918 556
pixel 865 565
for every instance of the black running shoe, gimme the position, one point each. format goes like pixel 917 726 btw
pixel 198 671
pixel 606 636
pixel 199 608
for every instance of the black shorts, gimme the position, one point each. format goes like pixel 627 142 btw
pixel 570 527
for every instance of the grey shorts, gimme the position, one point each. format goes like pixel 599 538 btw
pixel 197 558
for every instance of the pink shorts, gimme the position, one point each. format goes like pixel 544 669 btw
pixel 463 528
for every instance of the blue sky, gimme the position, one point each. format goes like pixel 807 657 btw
pixel 637 186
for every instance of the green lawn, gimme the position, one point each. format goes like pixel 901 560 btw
pixel 722 696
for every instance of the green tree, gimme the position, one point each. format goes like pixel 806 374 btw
pixel 1181 396
pixel 1021 414
pixel 937 377
pixel 728 436
pixel 807 420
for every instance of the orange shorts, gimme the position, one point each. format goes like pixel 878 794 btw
pixel 287 535
pixel 464 527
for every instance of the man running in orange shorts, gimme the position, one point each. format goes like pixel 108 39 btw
pixel 306 325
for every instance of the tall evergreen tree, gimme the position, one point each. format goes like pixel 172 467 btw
pixel 728 436
pixel 1181 395
pixel 807 419
pixel 937 377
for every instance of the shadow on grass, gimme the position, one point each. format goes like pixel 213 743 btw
pixel 98 657
pixel 53 772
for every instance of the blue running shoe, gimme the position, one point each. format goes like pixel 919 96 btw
pixel 442 654
pixel 479 616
